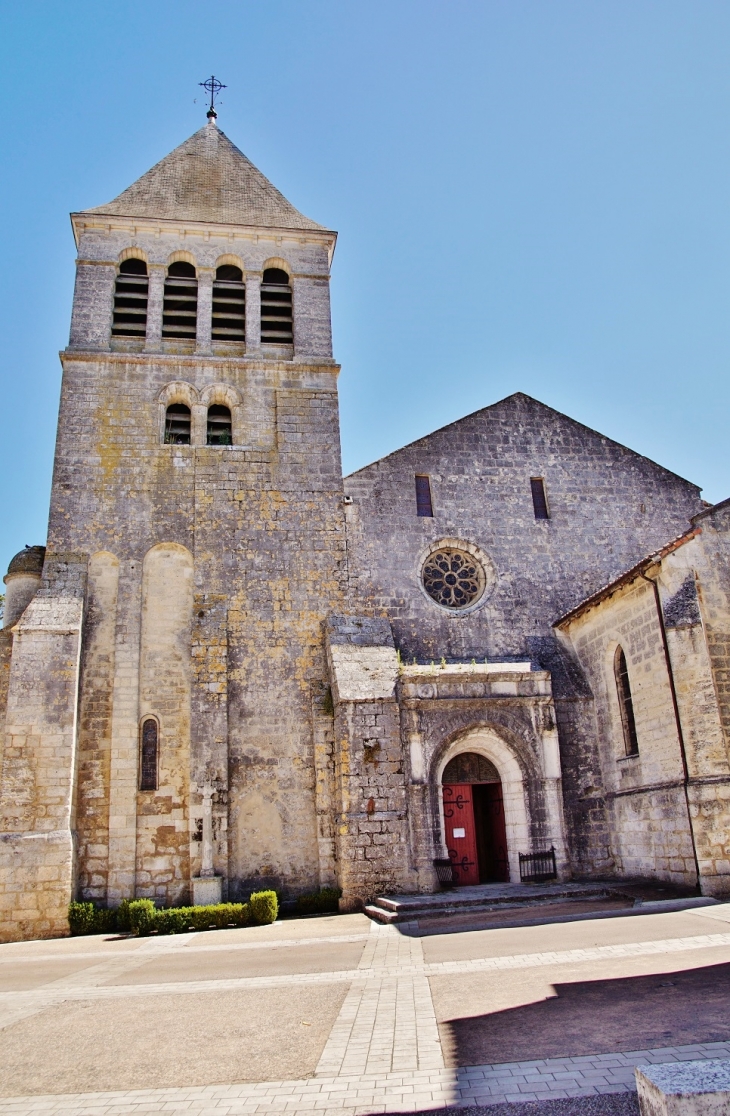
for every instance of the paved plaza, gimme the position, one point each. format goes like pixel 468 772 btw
pixel 340 1014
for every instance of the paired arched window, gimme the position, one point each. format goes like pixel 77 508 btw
pixel 219 428
pixel 130 299
pixel 229 304
pixel 149 748
pixel 276 308
pixel 626 703
pixel 180 307
pixel 177 425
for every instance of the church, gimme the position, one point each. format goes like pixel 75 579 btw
pixel 230 668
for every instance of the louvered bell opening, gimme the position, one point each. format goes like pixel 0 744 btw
pixel 130 300
pixel 229 305
pixel 180 307
pixel 177 425
pixel 276 308
pixel 220 431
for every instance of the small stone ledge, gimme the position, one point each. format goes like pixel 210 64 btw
pixel 684 1088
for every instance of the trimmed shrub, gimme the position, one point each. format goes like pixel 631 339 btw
pixel 122 913
pixel 85 918
pixel 174 920
pixel 142 914
pixel 82 918
pixel 264 906
pixel 320 902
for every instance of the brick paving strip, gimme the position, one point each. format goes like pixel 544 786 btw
pixel 362 1094
pixel 383 1053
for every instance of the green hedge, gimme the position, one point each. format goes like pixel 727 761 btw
pixel 140 916
pixel 319 902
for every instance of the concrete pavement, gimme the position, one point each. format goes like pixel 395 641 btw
pixel 340 1014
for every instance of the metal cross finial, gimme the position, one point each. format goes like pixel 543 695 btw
pixel 212 86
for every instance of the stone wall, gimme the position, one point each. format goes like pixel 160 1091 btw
pixel 666 820
pixel 37 784
pixel 608 508
pixel 372 847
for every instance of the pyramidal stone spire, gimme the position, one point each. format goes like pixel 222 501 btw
pixel 207 179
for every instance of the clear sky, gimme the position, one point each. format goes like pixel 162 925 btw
pixel 530 196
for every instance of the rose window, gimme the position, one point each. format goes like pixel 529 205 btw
pixel 453 578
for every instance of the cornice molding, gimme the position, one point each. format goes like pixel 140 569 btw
pixel 97 356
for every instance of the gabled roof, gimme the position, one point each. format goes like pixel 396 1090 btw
pixel 207 179
pixel 519 408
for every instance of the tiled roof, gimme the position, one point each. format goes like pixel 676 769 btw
pixel 207 179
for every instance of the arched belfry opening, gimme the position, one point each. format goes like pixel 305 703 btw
pixel 474 820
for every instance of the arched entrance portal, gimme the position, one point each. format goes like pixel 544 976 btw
pixel 476 837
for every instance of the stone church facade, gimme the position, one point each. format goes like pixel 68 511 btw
pixel 229 668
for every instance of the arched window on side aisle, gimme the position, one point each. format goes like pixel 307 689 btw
pixel 229 305
pixel 177 425
pixel 180 308
pixel 219 426
pixel 130 300
pixel 626 703
pixel 276 308
pixel 148 755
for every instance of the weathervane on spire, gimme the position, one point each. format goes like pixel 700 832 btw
pixel 212 86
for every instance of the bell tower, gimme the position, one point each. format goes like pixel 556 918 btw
pixel 159 713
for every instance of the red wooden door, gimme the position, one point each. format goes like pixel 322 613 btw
pixel 461 840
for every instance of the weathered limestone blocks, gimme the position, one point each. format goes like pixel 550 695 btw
pixel 373 852
pixel 37 799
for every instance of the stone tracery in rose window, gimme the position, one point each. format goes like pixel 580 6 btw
pixel 453 578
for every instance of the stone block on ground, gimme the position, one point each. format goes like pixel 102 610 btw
pixel 207 890
pixel 684 1088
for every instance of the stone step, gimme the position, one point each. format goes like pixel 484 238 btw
pixel 518 905
pixel 486 897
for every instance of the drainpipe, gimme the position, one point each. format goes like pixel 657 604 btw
pixel 677 721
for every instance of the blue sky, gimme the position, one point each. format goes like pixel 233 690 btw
pixel 530 196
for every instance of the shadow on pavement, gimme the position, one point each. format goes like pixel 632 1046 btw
pixel 599 1017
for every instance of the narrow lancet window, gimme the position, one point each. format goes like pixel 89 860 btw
pixel 276 308
pixel 626 703
pixel 130 300
pixel 177 425
pixel 423 496
pixel 229 305
pixel 219 426
pixel 539 498
pixel 180 308
pixel 148 756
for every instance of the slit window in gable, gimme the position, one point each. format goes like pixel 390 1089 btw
pixel 424 506
pixel 539 498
